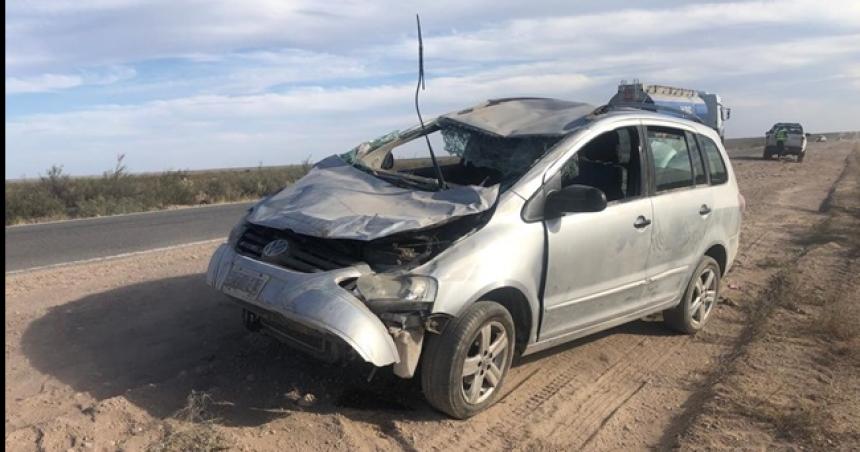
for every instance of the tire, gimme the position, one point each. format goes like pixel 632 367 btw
pixel 766 155
pixel 800 157
pixel 442 370
pixel 691 315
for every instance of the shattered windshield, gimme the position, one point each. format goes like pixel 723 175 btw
pixel 466 156
pixel 510 157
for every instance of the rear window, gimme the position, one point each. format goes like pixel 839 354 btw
pixel 716 165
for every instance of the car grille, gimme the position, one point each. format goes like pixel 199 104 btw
pixel 306 254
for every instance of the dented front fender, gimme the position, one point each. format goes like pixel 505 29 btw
pixel 314 300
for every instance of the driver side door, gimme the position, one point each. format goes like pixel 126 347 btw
pixel 596 261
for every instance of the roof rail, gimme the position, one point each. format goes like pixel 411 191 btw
pixel 650 107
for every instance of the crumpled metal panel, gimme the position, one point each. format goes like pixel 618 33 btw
pixel 521 117
pixel 314 300
pixel 337 200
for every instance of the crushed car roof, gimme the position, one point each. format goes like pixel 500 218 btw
pixel 522 116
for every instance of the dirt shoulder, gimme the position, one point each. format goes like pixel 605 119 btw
pixel 793 380
pixel 138 353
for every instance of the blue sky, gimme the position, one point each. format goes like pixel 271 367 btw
pixel 208 84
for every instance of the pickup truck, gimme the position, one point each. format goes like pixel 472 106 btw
pixel 795 142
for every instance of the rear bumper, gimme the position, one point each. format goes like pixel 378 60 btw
pixel 786 150
pixel 311 300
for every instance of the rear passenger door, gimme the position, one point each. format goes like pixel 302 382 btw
pixel 683 202
pixel 725 221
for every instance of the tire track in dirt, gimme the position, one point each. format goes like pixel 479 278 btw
pixel 761 307
pixel 571 385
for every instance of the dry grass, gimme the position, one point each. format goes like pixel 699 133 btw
pixel 58 196
pixel 841 320
pixel 193 430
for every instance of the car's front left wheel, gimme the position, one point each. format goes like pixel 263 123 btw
pixel 464 367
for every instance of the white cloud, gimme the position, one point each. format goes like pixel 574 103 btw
pixel 227 83
pixel 243 130
pixel 570 35
pixel 54 82
pixel 55 34
pixel 41 83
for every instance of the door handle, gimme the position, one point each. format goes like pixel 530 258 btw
pixel 704 210
pixel 641 222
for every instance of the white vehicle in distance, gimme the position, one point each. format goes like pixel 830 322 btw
pixel 793 141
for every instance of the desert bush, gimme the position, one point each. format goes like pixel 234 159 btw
pixel 34 201
pixel 56 195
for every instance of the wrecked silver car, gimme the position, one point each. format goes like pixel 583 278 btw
pixel 547 220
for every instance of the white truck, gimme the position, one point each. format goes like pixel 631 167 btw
pixel 708 107
pixel 793 144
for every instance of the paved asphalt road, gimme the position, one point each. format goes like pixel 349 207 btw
pixel 67 241
pixel 55 243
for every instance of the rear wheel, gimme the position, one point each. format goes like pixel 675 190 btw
pixel 699 299
pixel 800 156
pixel 766 154
pixel 465 366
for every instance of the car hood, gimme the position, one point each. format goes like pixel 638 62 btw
pixel 337 200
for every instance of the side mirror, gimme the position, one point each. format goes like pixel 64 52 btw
pixel 388 162
pixel 728 114
pixel 574 198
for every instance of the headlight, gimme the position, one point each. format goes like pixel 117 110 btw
pixel 239 229
pixel 236 233
pixel 382 287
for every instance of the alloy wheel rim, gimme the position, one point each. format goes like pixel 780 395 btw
pixel 484 363
pixel 704 296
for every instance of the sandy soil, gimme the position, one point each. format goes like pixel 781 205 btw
pixel 138 353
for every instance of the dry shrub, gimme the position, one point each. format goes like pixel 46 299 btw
pixel 57 195
pixel 193 430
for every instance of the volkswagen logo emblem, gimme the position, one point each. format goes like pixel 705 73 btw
pixel 276 248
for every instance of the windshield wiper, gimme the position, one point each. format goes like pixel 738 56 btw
pixel 403 179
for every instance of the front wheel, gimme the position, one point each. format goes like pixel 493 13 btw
pixel 698 300
pixel 465 366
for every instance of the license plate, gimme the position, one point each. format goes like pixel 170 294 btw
pixel 245 284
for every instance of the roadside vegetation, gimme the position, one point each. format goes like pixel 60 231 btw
pixel 56 195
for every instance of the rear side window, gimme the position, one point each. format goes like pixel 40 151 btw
pixel 671 156
pixel 698 163
pixel 716 165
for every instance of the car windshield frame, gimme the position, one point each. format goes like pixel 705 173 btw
pixel 369 155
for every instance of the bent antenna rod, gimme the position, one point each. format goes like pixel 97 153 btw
pixel 418 88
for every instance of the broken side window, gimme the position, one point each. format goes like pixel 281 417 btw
pixel 610 162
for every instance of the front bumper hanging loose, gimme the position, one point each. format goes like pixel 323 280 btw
pixel 313 300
